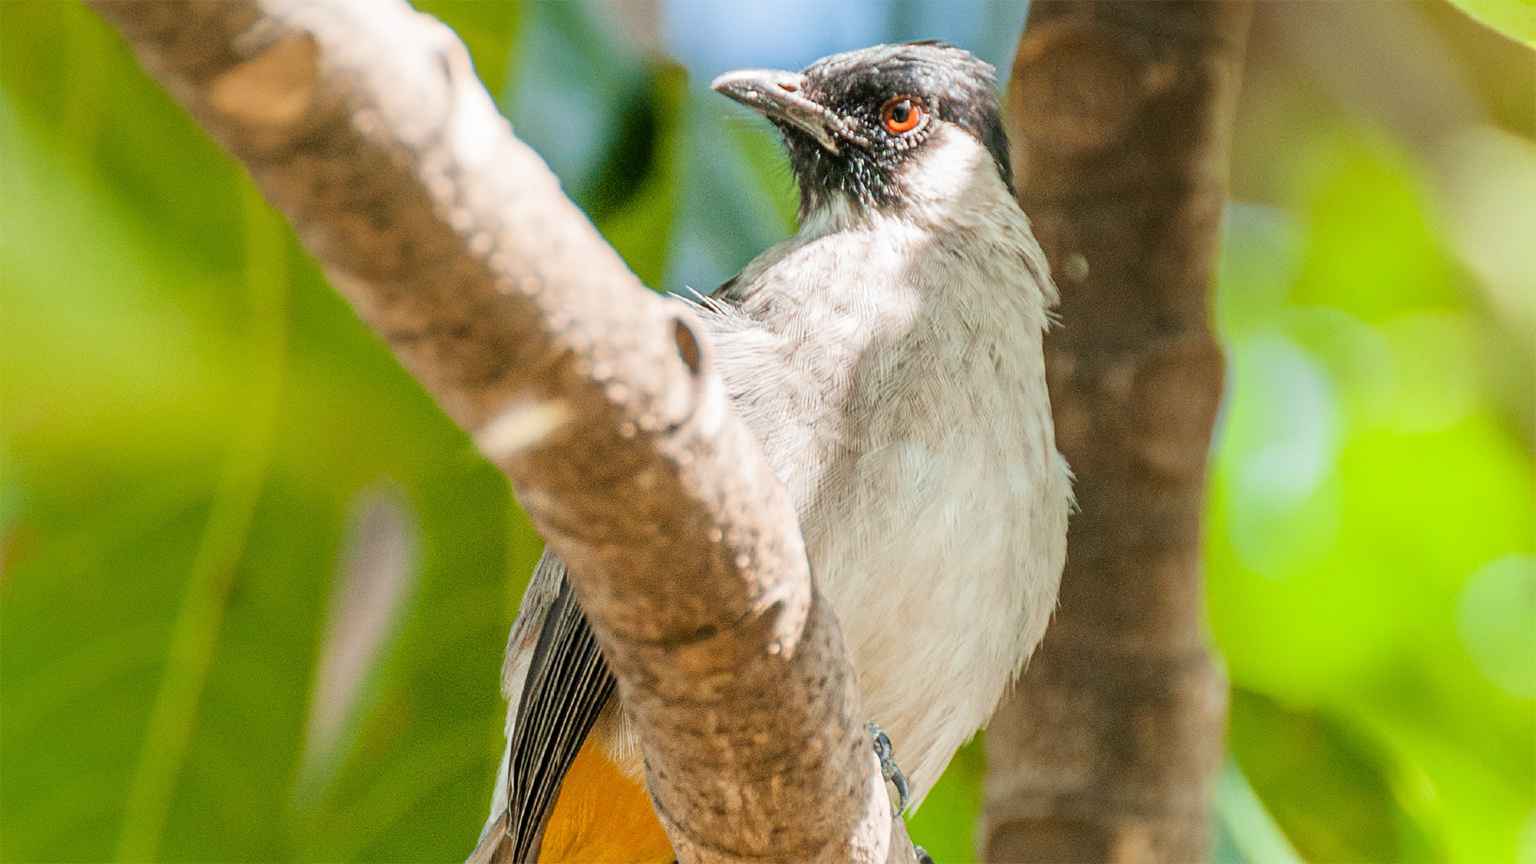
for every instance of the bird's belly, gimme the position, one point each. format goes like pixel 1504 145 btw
pixel 918 556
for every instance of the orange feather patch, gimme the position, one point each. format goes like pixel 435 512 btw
pixel 602 816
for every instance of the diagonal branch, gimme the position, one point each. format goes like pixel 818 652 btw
pixel 1120 118
pixel 362 121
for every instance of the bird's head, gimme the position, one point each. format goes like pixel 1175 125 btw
pixel 879 127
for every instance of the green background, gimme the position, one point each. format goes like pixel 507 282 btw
pixel 254 586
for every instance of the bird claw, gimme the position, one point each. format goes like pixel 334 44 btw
pixel 888 770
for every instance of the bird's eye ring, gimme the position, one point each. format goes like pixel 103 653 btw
pixel 902 114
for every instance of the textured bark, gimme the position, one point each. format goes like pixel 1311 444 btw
pixel 1120 116
pixel 362 121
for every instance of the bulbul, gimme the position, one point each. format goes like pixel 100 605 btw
pixel 888 358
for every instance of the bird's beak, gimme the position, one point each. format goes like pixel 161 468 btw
pixel 778 95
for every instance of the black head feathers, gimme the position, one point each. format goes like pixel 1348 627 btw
pixel 853 121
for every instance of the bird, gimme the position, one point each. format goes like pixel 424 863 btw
pixel 888 358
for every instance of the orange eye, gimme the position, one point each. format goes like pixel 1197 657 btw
pixel 902 114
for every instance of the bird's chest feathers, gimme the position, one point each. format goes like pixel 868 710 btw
pixel 906 413
pixel 922 402
pixel 917 473
pixel 922 369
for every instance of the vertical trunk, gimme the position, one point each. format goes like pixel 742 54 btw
pixel 1120 117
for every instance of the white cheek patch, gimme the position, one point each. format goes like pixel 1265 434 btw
pixel 951 167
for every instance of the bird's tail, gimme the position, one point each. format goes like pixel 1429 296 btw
pixel 495 846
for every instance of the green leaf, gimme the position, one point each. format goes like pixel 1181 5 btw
pixel 1245 831
pixel 1513 18
pixel 1328 789
pixel 640 225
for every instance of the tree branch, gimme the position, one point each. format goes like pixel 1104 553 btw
pixel 362 121
pixel 1120 116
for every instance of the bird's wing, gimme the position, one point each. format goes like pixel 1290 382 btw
pixel 557 681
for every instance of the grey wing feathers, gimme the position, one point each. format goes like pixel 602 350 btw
pixel 558 699
pixel 568 685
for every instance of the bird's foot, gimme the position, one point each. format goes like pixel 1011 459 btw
pixel 922 855
pixel 888 769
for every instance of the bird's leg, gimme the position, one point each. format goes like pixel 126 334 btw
pixel 888 769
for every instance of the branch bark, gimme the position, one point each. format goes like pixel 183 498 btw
pixel 363 122
pixel 1120 116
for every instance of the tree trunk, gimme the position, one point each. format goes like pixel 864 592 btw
pixel 1120 119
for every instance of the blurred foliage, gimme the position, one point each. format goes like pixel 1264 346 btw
pixel 1366 485
pixel 212 649
pixel 190 418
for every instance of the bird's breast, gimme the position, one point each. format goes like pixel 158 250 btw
pixel 903 404
pixel 931 485
pixel 920 545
